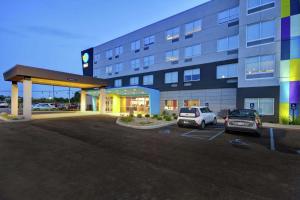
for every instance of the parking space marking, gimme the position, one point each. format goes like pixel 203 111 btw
pixel 272 141
pixel 202 134
pixel 218 134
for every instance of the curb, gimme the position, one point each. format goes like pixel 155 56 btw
pixel 12 121
pixel 118 121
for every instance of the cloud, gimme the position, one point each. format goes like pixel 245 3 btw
pixel 12 32
pixel 48 31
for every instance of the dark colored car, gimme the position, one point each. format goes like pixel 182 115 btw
pixel 243 120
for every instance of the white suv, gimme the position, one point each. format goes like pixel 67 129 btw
pixel 196 116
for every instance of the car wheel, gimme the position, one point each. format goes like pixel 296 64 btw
pixel 227 131
pixel 202 125
pixel 180 125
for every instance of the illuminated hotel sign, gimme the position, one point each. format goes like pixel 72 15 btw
pixel 85 59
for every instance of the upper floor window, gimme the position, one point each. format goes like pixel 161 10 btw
pixel 259 5
pixel 149 40
pixel 171 77
pixel 193 27
pixel 135 64
pixel 148 80
pixel 172 56
pixel 119 50
pixel 148 61
pixel 134 80
pixel 96 58
pixel 192 51
pixel 136 45
pixel 109 54
pixel 228 15
pixel 227 71
pixel 172 34
pixel 260 33
pixel 96 73
pixel 108 69
pixel 118 83
pixel 119 67
pixel 228 43
pixel 260 67
pixel 192 75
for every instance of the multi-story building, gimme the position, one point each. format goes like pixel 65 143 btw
pixel 225 54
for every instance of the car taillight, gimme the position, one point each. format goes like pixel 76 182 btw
pixel 257 121
pixel 226 120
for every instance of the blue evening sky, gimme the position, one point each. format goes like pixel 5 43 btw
pixel 52 33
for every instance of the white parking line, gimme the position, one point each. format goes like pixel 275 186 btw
pixel 213 137
pixel 272 140
pixel 185 134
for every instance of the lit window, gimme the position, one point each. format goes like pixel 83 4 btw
pixel 136 45
pixel 118 83
pixel 171 105
pixel 192 75
pixel 260 33
pixel 134 80
pixel 135 64
pixel 149 40
pixel 96 58
pixel 228 15
pixel 172 34
pixel 192 51
pixel 148 80
pixel 228 43
pixel 191 102
pixel 264 106
pixel 227 71
pixel 119 67
pixel 193 27
pixel 260 67
pixel 148 61
pixel 119 50
pixel 172 56
pixel 108 69
pixel 109 54
pixel 171 77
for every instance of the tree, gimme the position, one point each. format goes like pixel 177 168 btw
pixel 76 98
pixel 2 98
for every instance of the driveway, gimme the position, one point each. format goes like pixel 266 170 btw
pixel 90 157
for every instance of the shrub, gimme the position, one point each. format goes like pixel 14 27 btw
pixel 175 117
pixel 159 118
pixel 154 116
pixel 139 116
pixel 127 119
pixel 168 118
pixel 147 115
pixel 131 115
pixel 164 113
pixel 174 114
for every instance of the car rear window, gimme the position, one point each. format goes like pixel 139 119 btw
pixel 243 113
pixel 188 110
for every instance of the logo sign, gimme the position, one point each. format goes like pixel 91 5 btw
pixel 85 58
pixel 293 106
pixel 207 104
pixel 252 105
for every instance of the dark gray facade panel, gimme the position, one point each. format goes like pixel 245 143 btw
pixel 260 92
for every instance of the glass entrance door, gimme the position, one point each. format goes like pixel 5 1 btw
pixel 109 104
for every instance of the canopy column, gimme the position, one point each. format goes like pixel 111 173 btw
pixel 27 98
pixel 14 98
pixel 83 100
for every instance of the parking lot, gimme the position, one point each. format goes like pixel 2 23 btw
pixel 91 157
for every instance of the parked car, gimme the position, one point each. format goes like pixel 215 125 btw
pixel 243 120
pixel 196 116
pixel 3 104
pixel 43 106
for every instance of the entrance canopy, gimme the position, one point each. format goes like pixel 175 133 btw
pixel 49 77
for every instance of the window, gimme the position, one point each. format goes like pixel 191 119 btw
pixel 264 106
pixel 172 34
pixel 228 15
pixel 134 80
pixel 260 67
pixel 108 54
pixel 135 64
pixel 108 69
pixel 96 58
pixel 192 75
pixel 191 102
pixel 171 105
pixel 257 3
pixel 149 40
pixel 148 61
pixel 260 33
pixel 193 27
pixel 227 71
pixel 148 80
pixel 96 73
pixel 119 67
pixel 118 83
pixel 171 77
pixel 192 51
pixel 228 43
pixel 172 56
pixel 119 50
pixel 136 45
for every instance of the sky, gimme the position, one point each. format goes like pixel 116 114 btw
pixel 52 33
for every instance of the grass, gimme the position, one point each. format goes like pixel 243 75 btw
pixel 145 123
pixel 127 119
